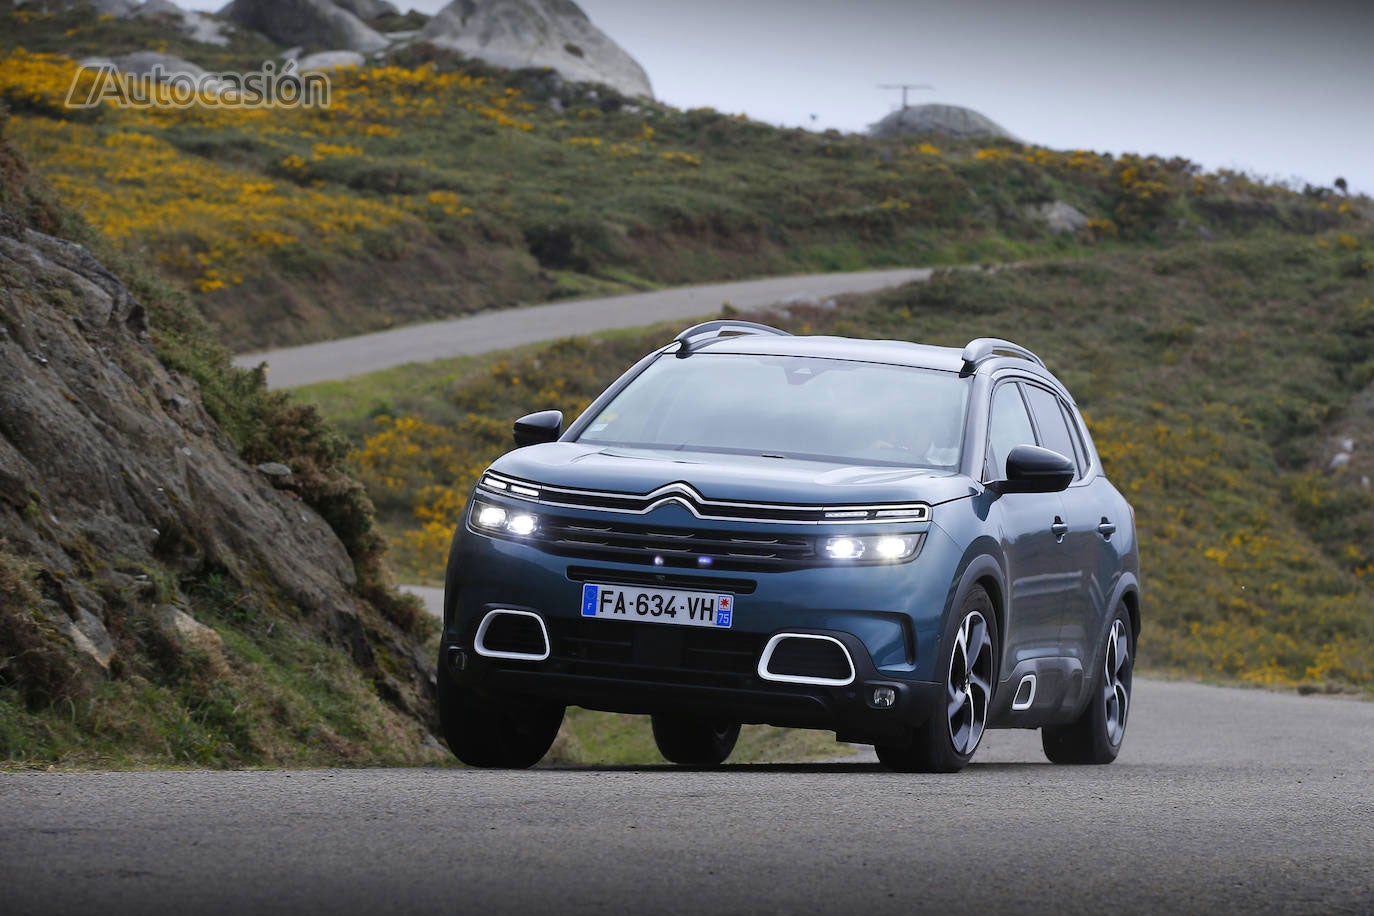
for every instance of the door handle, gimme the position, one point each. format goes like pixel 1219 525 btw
pixel 1059 529
pixel 1106 529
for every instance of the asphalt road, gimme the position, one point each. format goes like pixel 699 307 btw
pixel 431 596
pixel 339 359
pixel 1222 801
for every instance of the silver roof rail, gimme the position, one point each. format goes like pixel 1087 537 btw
pixel 985 348
pixel 697 335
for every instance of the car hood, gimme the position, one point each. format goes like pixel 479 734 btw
pixel 743 478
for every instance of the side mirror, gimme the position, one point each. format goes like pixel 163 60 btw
pixel 1031 469
pixel 545 426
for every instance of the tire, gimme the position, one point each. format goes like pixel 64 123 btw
pixel 481 732
pixel 948 739
pixel 694 742
pixel 1097 735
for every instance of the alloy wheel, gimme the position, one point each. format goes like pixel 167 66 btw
pixel 1116 682
pixel 970 683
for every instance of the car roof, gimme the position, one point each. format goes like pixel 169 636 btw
pixel 891 352
pixel 985 355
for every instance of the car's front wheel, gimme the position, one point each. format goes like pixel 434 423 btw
pixel 1096 736
pixel 483 732
pixel 948 739
pixel 694 742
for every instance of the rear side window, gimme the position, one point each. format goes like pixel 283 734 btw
pixel 1008 426
pixel 1076 433
pixel 1054 430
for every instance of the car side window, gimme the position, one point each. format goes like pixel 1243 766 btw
pixel 1049 419
pixel 1076 433
pixel 1008 426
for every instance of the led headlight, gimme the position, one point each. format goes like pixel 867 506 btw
pixel 487 517
pixel 522 524
pixel 882 548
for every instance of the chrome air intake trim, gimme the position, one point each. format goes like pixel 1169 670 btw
pixel 779 639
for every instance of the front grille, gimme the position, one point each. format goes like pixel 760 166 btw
pixel 678 548
pixel 654 652
pixel 514 633
pixel 818 658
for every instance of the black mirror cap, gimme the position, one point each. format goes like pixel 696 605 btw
pixel 1031 469
pixel 545 426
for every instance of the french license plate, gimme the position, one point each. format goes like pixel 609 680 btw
pixel 658 605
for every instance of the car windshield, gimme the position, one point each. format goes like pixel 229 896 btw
pixel 805 408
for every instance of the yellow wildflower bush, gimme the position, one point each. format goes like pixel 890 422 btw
pixel 692 159
pixel 992 155
pixel 202 220
pixel 207 222
pixel 37 82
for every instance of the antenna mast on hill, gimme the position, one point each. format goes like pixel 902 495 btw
pixel 905 87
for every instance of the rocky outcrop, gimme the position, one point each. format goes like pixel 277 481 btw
pixel 196 26
pixel 148 570
pixel 109 458
pixel 368 9
pixel 1059 217
pixel 113 476
pixel 310 23
pixel 537 33
pixel 330 60
pixel 941 120
pixel 162 67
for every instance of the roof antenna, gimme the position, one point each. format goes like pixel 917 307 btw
pixel 906 87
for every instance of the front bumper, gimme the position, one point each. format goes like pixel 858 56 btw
pixel 641 669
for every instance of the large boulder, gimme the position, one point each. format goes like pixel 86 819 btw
pixel 1059 217
pixel 368 9
pixel 537 33
pixel 941 120
pixel 196 26
pixel 329 60
pixel 118 8
pixel 163 68
pixel 311 23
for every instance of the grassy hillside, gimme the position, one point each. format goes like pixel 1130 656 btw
pixel 1215 378
pixel 436 186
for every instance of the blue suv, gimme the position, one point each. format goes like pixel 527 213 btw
pixel 904 544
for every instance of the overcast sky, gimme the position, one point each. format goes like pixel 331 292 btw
pixel 1278 88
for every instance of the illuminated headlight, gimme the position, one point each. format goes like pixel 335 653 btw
pixel 844 548
pixel 490 517
pixel 487 517
pixel 524 523
pixel 884 548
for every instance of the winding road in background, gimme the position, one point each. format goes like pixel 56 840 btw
pixel 502 330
